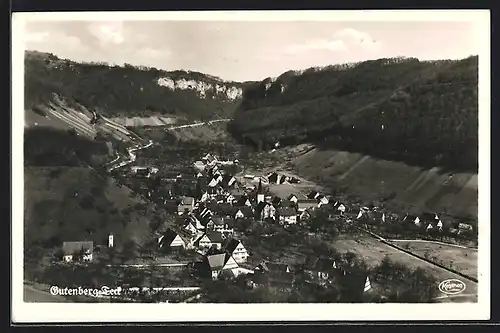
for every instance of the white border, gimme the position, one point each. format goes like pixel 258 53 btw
pixel 69 312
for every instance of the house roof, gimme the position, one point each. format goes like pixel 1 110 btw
pixel 306 203
pixel 168 236
pixel 232 245
pixel 261 205
pixel 287 203
pixel 214 236
pixel 410 217
pixel 308 211
pixel 217 261
pixel 187 201
pixel 320 264
pixel 276 267
pixel 242 200
pixel 291 196
pixel 312 195
pixel 247 211
pixel 74 247
pixel 287 211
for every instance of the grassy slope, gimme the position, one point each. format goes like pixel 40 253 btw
pixel 427 109
pixel 373 179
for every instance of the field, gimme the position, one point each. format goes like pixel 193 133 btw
pixel 374 251
pixel 374 179
pixel 463 260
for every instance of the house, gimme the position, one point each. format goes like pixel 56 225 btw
pixel 363 211
pixel 313 195
pixel 273 177
pixel 216 264
pixel 354 283
pixel 204 197
pixel 236 249
pixel 228 181
pixel 306 215
pixel 195 222
pixel 341 208
pixel 216 179
pixel 465 227
pixel 320 269
pixel 276 201
pixel 243 201
pixel 287 215
pixel 189 238
pixel 243 212
pixel 440 225
pixel 266 210
pixel 205 214
pixel 186 205
pixel 276 279
pixel 74 251
pixel 378 216
pixel 208 158
pixel 199 165
pixel 303 204
pixel 220 224
pixel 273 267
pixel 322 200
pixel 171 240
pixel 190 227
pixel 412 218
pixel 210 239
pixel 293 198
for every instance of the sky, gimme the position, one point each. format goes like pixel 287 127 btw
pixel 249 50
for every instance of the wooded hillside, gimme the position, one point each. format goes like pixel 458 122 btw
pixel 122 90
pixel 423 113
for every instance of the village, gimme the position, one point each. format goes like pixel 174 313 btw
pixel 216 211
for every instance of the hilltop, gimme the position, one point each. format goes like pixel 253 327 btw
pixel 424 113
pixel 128 91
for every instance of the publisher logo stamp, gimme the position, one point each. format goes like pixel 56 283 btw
pixel 451 287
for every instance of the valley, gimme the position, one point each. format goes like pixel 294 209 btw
pixel 96 193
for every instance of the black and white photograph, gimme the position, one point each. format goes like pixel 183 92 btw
pixel 308 165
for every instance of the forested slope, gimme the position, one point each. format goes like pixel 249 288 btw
pixel 126 91
pixel 422 113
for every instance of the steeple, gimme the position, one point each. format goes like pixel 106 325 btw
pixel 260 194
